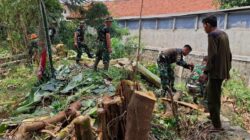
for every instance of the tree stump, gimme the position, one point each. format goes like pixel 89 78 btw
pixel 83 129
pixel 139 115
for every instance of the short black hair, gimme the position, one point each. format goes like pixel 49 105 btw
pixel 188 46
pixel 210 19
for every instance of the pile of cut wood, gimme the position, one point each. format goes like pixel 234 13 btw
pixel 125 115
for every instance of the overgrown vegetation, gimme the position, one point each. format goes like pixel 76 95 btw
pixel 236 88
pixel 224 4
pixel 21 18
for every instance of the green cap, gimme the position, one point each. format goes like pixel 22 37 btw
pixel 109 19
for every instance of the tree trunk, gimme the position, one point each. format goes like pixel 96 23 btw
pixel 126 89
pixel 102 133
pixel 83 129
pixel 154 79
pixel 139 116
pixel 114 119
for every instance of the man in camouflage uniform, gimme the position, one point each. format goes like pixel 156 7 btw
pixel 104 48
pixel 79 42
pixel 165 61
pixel 195 84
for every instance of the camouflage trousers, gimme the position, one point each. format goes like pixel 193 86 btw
pixel 167 77
pixel 82 48
pixel 103 53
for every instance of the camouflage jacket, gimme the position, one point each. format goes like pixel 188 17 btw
pixel 170 56
pixel 101 31
pixel 80 34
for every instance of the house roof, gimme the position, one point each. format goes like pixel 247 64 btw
pixel 131 8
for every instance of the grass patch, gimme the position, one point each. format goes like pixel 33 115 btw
pixel 19 81
pixel 236 89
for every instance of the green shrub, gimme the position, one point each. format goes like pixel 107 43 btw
pixel 236 89
pixel 66 33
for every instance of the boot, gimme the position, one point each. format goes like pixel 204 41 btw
pixel 96 64
pixel 106 66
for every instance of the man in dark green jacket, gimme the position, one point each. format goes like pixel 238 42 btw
pixel 218 67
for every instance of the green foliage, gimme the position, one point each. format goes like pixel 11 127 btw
pixel 153 68
pixel 66 33
pixel 123 48
pixel 236 89
pixel 57 105
pixel 232 3
pixel 21 17
pixel 117 32
pixel 95 14
pixel 165 129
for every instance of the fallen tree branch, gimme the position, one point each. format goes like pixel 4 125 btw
pixel 26 128
pixel 49 132
pixel 192 106
pixel 12 63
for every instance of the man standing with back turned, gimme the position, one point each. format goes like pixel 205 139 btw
pixel 218 67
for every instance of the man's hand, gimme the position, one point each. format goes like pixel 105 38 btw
pixel 191 66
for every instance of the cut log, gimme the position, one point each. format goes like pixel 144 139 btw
pixel 83 128
pixel 139 116
pixel 192 106
pixel 114 119
pixel 68 114
pixel 66 131
pixel 101 124
pixel 126 89
pixel 154 79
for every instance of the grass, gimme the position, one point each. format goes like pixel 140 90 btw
pixel 236 89
pixel 14 86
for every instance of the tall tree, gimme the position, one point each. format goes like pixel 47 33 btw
pixel 21 17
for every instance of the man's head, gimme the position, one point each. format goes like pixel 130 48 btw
pixel 82 24
pixel 186 50
pixel 209 23
pixel 108 21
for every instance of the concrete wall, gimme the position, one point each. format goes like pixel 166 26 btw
pixel 162 39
